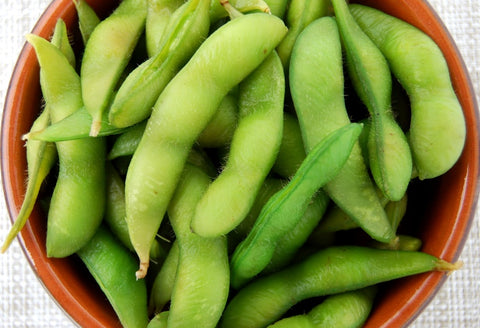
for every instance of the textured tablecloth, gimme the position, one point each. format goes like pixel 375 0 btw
pixel 24 301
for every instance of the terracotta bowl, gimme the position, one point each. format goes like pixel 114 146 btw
pixel 442 209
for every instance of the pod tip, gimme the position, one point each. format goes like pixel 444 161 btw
pixel 142 271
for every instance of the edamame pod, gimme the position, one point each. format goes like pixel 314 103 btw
pixel 87 19
pixel 286 208
pixel 161 291
pixel 259 131
pixel 182 112
pixel 202 277
pixel 62 42
pixel 437 129
pixel 113 267
pixel 159 13
pixel 75 126
pixel 187 28
pixel 106 55
pixel 329 271
pixel 344 310
pixel 78 200
pixel 389 153
pixel 317 61
pixel 41 156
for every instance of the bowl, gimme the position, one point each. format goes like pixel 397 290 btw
pixel 444 207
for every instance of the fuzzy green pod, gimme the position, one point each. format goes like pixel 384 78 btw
pixel 113 267
pixel 389 153
pixel 286 208
pixel 328 271
pixel 437 129
pixel 202 277
pixel 78 200
pixel 317 61
pixel 106 55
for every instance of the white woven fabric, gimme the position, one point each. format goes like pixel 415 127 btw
pixel 25 303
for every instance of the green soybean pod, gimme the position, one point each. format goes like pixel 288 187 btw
pixel 87 19
pixel 162 287
pixel 75 126
pixel 285 209
pixel 182 112
pixel 317 61
pixel 61 40
pixel 187 29
pixel 437 129
pixel 300 14
pixel 329 271
pixel 106 55
pixel 113 268
pixel 41 156
pixel 126 143
pixel 159 13
pixel 78 199
pixel 390 158
pixel 202 278
pixel 344 310
pixel 230 196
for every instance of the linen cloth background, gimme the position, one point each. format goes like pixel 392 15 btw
pixel 25 303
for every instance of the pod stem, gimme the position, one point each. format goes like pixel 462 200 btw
pixel 442 265
pixel 95 129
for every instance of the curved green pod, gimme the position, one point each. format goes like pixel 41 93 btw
pixel 159 13
pixel 78 200
pixel 437 129
pixel 202 278
pixel 87 19
pixel 390 158
pixel 182 112
pixel 329 271
pixel 344 310
pixel 317 61
pixel 253 150
pixel 74 126
pixel 162 287
pixel 113 268
pixel 286 208
pixel 106 55
pixel 41 156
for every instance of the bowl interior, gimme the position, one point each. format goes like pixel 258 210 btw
pixel 441 210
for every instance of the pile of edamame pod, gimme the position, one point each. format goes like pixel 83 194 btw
pixel 204 157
